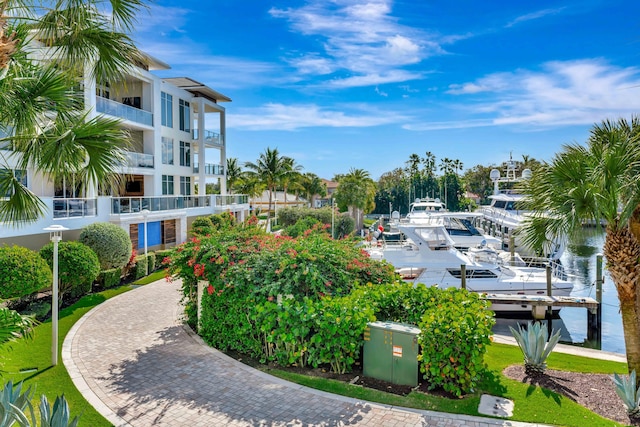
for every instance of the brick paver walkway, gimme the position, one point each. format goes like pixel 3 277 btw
pixel 137 365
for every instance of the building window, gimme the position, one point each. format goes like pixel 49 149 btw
pixel 185 115
pixel 167 184
pixel 185 153
pixel 167 151
pixel 185 185
pixel 19 174
pixel 167 109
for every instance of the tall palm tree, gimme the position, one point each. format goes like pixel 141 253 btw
pixel 313 186
pixel 599 181
pixel 41 102
pixel 268 169
pixel 234 173
pixel 290 176
pixel 357 191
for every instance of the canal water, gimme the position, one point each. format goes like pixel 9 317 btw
pixel 580 262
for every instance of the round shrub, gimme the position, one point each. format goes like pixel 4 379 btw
pixel 202 226
pixel 22 272
pixel 110 242
pixel 78 267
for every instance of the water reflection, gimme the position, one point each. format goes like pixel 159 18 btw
pixel 580 262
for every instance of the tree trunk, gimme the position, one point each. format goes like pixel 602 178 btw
pixel 622 252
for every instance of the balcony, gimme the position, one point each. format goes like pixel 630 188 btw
pixel 74 207
pixel 140 160
pixel 116 109
pixel 230 199
pixel 210 169
pixel 127 205
pixel 210 137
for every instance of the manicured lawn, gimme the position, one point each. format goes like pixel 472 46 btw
pixel 153 277
pixel 36 354
pixel 532 404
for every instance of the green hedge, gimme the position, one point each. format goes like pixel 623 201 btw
pixel 141 269
pixel 22 272
pixel 78 267
pixel 151 262
pixel 110 278
pixel 110 242
pixel 160 256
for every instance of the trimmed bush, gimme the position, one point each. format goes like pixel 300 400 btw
pixel 141 268
pixel 223 220
pixel 78 267
pixel 22 272
pixel 151 262
pixel 202 226
pixel 160 257
pixel 110 278
pixel 454 339
pixel 110 242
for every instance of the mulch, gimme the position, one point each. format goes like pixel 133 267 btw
pixel 593 391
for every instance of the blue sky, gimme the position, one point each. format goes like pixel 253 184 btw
pixel 363 84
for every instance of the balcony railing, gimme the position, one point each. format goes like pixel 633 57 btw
pixel 140 160
pixel 210 169
pixel 209 136
pixel 126 205
pixel 72 208
pixel 220 200
pixel 117 109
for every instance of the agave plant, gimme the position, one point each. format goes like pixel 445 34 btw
pixel 59 416
pixel 533 343
pixel 13 403
pixel 626 389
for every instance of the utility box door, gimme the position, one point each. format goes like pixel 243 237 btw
pixel 391 352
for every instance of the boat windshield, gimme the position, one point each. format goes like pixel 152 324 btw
pixel 504 204
pixel 435 237
pixel 461 227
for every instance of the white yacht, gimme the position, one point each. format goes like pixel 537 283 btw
pixel 504 216
pixel 427 255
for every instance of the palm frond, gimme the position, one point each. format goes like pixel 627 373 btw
pixel 13 325
pixel 22 206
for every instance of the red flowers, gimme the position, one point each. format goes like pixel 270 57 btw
pixel 198 270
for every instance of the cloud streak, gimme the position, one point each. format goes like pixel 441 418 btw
pixel 275 116
pixel 561 93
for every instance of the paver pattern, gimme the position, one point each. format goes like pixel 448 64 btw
pixel 137 364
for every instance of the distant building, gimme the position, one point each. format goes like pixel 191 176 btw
pixel 331 188
pixel 173 154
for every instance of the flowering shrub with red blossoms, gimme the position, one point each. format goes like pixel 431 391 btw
pixel 306 301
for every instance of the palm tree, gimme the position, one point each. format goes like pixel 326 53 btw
pixel 357 191
pixel 313 186
pixel 599 181
pixel 234 173
pixel 290 176
pixel 41 102
pixel 268 169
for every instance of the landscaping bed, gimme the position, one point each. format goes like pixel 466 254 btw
pixel 593 391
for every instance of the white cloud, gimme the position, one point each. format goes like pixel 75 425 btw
pixel 381 93
pixel 291 117
pixel 393 76
pixel 560 93
pixel 359 39
pixel 534 15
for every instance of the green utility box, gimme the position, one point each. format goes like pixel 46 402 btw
pixel 391 352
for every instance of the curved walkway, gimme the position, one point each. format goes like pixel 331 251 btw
pixel 138 366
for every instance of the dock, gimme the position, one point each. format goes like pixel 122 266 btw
pixel 542 305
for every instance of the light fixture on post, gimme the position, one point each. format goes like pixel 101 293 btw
pixel 145 214
pixel 333 210
pixel 55 235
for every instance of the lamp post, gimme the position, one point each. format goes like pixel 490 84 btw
pixel 333 210
pixel 145 214
pixel 55 234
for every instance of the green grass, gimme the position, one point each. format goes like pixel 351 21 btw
pixel 51 380
pixel 153 277
pixel 532 404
